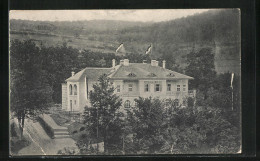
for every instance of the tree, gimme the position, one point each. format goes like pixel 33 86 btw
pixel 59 62
pixel 146 120
pixel 30 92
pixel 103 117
pixel 201 67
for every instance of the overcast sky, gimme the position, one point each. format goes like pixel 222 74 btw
pixel 127 15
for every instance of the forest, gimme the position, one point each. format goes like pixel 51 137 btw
pixel 216 29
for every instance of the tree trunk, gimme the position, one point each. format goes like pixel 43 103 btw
pixel 21 116
pixel 105 141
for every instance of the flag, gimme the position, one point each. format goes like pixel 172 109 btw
pixel 149 49
pixel 232 77
pixel 120 46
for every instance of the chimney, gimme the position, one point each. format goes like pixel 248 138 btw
pixel 113 63
pixel 72 73
pixel 121 62
pixel 153 62
pixel 144 61
pixel 156 63
pixel 163 63
pixel 126 62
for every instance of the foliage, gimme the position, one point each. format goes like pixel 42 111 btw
pixel 30 92
pixel 201 68
pixel 216 29
pixel 102 119
pixel 68 151
pixel 190 102
pixel 146 120
pixel 49 130
pixel 162 127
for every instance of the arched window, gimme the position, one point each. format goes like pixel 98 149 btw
pixel 127 104
pixel 70 88
pixel 75 89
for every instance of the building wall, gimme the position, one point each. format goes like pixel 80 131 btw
pixel 139 90
pixel 64 96
pixel 73 100
pixel 82 98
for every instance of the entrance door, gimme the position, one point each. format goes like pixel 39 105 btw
pixel 70 105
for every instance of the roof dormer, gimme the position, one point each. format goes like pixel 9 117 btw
pixel 151 75
pixel 132 74
pixel 171 75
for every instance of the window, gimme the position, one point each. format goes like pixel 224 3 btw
pixel 178 87
pixel 146 87
pixel 168 87
pixel 75 89
pixel 157 87
pixel 127 104
pixel 135 104
pixel 131 75
pixel 130 87
pixel 75 102
pixel 118 88
pixel 70 88
pixel 184 87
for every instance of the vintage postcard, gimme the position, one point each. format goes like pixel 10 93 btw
pixel 125 82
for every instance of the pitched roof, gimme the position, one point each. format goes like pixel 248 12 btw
pixel 89 72
pixel 132 72
pixel 145 71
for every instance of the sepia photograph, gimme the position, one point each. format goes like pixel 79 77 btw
pixel 125 82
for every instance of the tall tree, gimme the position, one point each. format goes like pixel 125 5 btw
pixel 201 67
pixel 30 92
pixel 103 117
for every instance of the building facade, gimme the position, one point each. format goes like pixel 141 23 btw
pixel 130 80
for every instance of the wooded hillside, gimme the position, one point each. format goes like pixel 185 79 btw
pixel 215 29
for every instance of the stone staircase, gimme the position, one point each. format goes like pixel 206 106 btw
pixel 61 133
pixel 58 131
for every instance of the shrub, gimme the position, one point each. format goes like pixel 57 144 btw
pixel 84 135
pixel 74 132
pixel 13 132
pixel 190 102
pixel 82 128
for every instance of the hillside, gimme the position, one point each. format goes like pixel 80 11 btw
pixel 215 29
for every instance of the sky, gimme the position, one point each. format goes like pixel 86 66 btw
pixel 153 15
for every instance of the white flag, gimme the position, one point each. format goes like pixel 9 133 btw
pixel 232 77
pixel 120 46
pixel 148 49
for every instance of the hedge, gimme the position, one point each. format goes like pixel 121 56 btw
pixel 47 128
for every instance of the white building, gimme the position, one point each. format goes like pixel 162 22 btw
pixel 131 80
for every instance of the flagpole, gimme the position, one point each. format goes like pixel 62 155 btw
pixel 231 85
pixel 151 49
